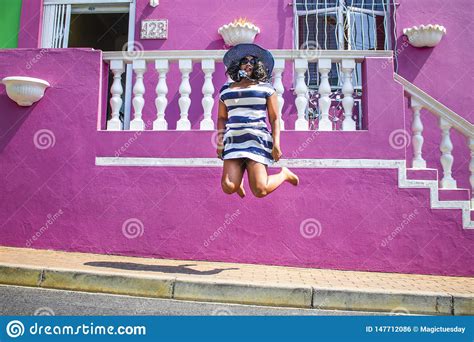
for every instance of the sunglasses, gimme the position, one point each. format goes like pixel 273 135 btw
pixel 244 61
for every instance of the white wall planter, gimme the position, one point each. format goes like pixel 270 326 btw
pixel 25 90
pixel 239 31
pixel 425 35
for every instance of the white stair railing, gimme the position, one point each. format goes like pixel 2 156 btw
pixel 346 61
pixel 447 120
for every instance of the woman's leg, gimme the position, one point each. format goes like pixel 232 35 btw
pixel 262 184
pixel 232 176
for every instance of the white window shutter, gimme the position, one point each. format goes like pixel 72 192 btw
pixel 56 22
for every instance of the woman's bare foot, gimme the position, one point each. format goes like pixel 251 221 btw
pixel 290 176
pixel 241 190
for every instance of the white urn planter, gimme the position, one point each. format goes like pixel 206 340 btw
pixel 25 90
pixel 425 35
pixel 239 31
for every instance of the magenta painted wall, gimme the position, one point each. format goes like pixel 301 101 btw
pixel 83 207
pixel 31 20
pixel 445 71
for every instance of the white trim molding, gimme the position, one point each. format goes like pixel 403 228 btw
pixel 400 165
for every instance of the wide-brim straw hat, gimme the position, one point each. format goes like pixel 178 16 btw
pixel 237 52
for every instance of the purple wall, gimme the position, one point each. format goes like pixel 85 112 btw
pixel 31 20
pixel 58 195
pixel 445 71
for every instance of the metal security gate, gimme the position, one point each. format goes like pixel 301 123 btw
pixel 342 25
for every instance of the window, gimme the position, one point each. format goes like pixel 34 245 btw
pixel 341 25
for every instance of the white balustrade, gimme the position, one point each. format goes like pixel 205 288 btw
pixel 447 119
pixel 301 90
pixel 185 66
pixel 162 67
pixel 447 159
pixel 208 60
pixel 207 91
pixel 417 130
pixel 324 67
pixel 137 124
pixel 278 85
pixel 116 90
pixel 348 66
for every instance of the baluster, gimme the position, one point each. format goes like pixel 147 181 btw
pixel 301 101
pixel 208 67
pixel 137 124
pixel 278 85
pixel 116 90
pixel 471 168
pixel 417 139
pixel 162 67
pixel 446 147
pixel 185 66
pixel 348 66
pixel 324 66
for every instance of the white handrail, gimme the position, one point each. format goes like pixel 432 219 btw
pixel 217 55
pixel 447 119
pixel 437 108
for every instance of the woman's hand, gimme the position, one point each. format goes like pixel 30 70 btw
pixel 276 152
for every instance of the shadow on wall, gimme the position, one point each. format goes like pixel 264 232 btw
pixel 11 118
pixel 411 68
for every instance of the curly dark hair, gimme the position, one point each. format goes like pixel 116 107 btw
pixel 259 71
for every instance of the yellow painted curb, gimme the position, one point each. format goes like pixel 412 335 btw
pixel 378 301
pixel 243 293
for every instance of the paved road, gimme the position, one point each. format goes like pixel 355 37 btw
pixel 17 300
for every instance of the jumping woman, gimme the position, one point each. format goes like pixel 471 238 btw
pixel 244 141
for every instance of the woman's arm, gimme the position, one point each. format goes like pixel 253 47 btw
pixel 222 117
pixel 272 107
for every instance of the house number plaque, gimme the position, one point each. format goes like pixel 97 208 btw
pixel 154 29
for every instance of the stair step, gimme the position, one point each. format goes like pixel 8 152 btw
pixel 454 195
pixel 422 174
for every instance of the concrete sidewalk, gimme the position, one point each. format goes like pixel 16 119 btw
pixel 238 283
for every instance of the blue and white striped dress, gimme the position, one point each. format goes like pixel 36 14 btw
pixel 246 133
